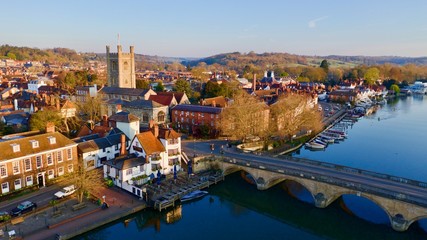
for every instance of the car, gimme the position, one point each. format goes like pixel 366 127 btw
pixel 4 216
pixel 23 207
pixel 66 191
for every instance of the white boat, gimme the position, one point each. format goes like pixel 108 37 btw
pixel 314 145
pixel 193 195
pixel 320 141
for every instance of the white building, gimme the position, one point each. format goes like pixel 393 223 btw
pixel 94 153
pixel 33 85
pixel 150 153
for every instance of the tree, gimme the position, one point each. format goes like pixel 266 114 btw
pixel 182 85
pixel 39 119
pixel 395 89
pixel 371 75
pixel 325 66
pixel 246 116
pixel 86 182
pixel 11 55
pixel 159 87
pixel 293 113
pixel 142 84
pixel 91 108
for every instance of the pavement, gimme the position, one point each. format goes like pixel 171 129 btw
pixel 64 223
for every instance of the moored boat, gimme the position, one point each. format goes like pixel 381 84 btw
pixel 194 195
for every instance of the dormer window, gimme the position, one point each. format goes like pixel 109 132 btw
pixel 34 143
pixel 15 147
pixel 52 140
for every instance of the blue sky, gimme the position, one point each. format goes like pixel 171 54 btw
pixel 197 28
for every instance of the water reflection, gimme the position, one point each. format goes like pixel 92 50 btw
pixel 364 209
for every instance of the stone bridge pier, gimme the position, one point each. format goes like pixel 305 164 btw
pixel 401 214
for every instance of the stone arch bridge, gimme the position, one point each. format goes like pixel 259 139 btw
pixel 404 200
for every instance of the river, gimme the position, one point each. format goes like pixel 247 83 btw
pixel 389 141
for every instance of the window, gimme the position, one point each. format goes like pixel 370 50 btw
pixel 129 171
pixel 39 162
pixel 29 180
pixel 49 159
pixel 50 174
pixel 27 163
pixel 145 117
pixel 161 116
pixel 60 171
pixel 34 143
pixel 17 184
pixel 69 154
pixel 5 187
pixel 15 147
pixel 203 115
pixel 52 140
pixel 125 66
pixel 212 116
pixel 15 167
pixel 3 170
pixel 59 156
pixel 70 168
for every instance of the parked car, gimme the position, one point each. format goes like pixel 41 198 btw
pixel 23 207
pixel 4 216
pixel 66 191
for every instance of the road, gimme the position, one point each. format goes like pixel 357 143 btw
pixel 352 180
pixel 41 197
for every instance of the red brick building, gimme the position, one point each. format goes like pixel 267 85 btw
pixel 193 118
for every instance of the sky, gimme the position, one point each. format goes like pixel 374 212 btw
pixel 200 28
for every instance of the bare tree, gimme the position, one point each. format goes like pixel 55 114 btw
pixel 246 116
pixel 86 181
pixel 293 113
pixel 91 109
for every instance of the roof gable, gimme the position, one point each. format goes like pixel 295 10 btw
pixel 149 143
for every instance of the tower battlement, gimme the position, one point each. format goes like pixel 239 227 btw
pixel 121 68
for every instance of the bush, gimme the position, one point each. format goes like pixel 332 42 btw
pixel 109 182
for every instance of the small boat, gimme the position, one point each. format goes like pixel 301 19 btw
pixel 314 145
pixel 320 141
pixel 193 195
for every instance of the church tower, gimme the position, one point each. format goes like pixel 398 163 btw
pixel 121 68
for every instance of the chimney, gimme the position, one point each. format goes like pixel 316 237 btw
pixel 156 130
pixel 105 120
pixel 50 127
pixel 15 104
pixel 57 105
pixel 151 124
pixel 254 83
pixel 213 103
pixel 122 145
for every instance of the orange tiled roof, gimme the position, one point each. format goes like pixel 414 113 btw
pixel 150 143
pixel 168 134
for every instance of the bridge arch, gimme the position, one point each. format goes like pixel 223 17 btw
pixel 411 221
pixel 374 200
